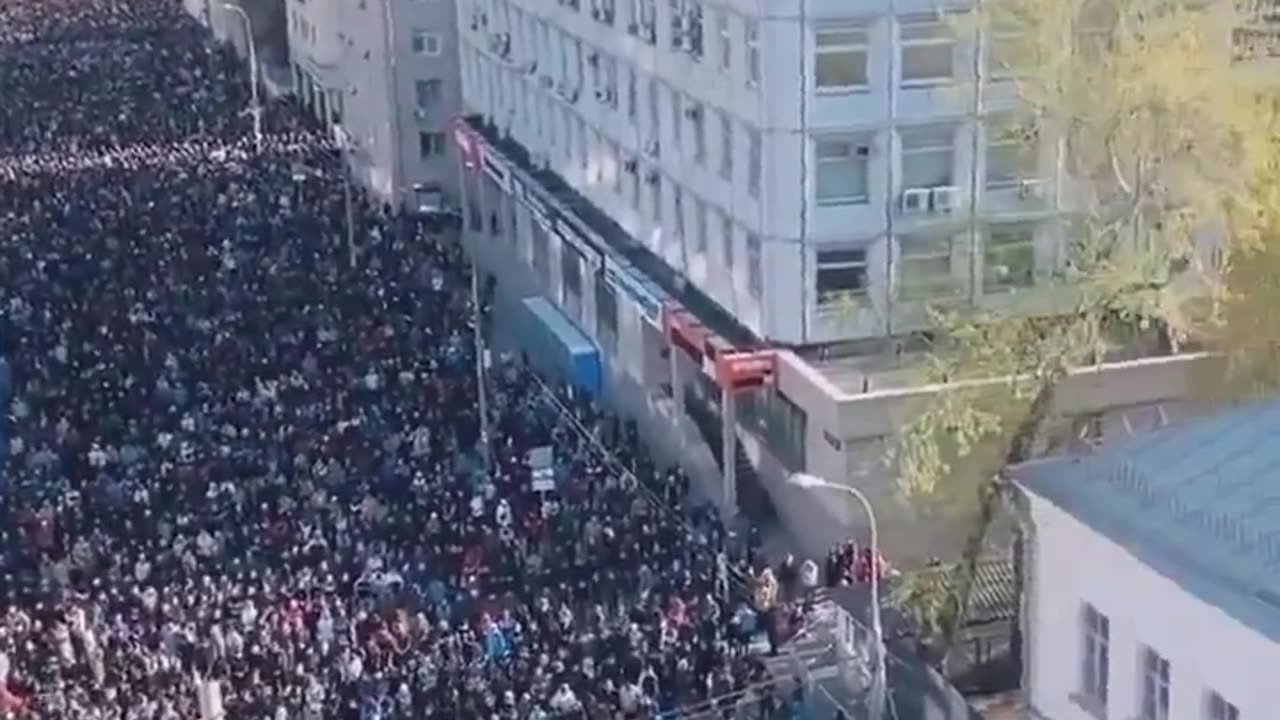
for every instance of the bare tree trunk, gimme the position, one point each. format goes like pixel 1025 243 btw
pixel 1021 447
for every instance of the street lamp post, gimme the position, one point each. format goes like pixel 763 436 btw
pixel 879 682
pixel 256 110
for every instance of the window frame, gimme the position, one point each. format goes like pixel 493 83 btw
pixel 909 149
pixel 1095 676
pixel 724 39
pixel 919 250
pixel 1155 697
pixel 1217 707
pixel 698 128
pixel 701 238
pixel 853 260
pixel 854 144
pixel 755 265
pixel 426 38
pixel 726 146
pixel 418 94
pixel 855 49
pixel 907 44
pixel 727 239
pixel 1001 135
pixel 430 144
pixel 751 51
pixel 1015 239
pixel 755 161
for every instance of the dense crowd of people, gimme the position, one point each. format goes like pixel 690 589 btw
pixel 242 476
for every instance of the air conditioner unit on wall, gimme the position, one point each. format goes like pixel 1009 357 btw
pixel 945 198
pixel 915 201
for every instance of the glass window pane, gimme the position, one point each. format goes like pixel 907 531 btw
pixel 927 169
pixel 927 62
pixel 845 180
pixel 845 68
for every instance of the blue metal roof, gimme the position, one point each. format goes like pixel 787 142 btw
pixel 569 334
pixel 1198 502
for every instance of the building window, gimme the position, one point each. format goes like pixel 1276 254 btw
pixel 426 93
pixel 841 59
pixel 700 228
pixel 689 35
pixel 1095 676
pixel 615 166
pixel 1011 154
pixel 752 45
pixel 1009 258
pixel 724 40
pixel 842 171
pixel 676 13
pixel 571 271
pixel 677 118
pixel 841 274
pixel 726 240
pixel 928 156
pixel 677 210
pixel 1155 686
pixel 726 147
pixel 655 121
pixel 698 127
pixel 924 270
pixel 927 52
pixel 425 43
pixel 430 144
pixel 755 270
pixel 632 93
pixel 584 144
pixel 656 195
pixel 540 246
pixel 1217 708
pixel 606 315
pixel 1004 51
pixel 754 162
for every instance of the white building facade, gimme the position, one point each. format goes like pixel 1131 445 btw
pixel 386 71
pixel 1094 599
pixel 1152 581
pixel 820 169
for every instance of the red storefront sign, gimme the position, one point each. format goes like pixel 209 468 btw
pixel 742 370
pixel 466 142
pixel 684 331
pixel 731 369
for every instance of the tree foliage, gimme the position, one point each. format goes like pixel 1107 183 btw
pixel 1162 147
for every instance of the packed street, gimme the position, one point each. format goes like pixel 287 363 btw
pixel 242 474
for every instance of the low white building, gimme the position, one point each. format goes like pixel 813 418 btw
pixel 1153 588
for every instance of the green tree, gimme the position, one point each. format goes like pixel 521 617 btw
pixel 1160 140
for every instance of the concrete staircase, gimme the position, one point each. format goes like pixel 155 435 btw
pixel 753 500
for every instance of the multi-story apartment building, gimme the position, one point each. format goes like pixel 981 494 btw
pixel 715 188
pixel 386 71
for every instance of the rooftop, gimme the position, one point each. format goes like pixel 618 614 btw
pixel 1198 502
